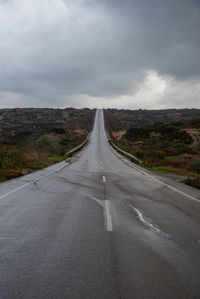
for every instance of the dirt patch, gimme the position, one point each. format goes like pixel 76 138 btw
pixel 195 135
pixel 81 132
pixel 118 134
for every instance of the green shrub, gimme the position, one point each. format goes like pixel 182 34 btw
pixel 10 159
pixel 143 154
pixel 182 148
pixel 156 154
pixel 193 182
pixel 136 134
pixel 65 140
pixel 196 165
pixel 44 142
pixel 139 154
pixel 164 133
pixel 56 159
pixel 58 130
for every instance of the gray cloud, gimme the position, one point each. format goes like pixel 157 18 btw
pixel 100 53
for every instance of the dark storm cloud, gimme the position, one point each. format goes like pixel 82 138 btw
pixel 160 34
pixel 56 53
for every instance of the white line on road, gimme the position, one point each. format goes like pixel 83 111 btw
pixel 108 216
pixel 101 165
pixel 105 204
pixel 32 182
pixel 173 188
pixel 15 190
pixel 100 202
pixel 104 179
pixel 152 177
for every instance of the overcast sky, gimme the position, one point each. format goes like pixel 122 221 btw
pixel 100 53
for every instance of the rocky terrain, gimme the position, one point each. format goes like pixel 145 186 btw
pixel 32 138
pixel 171 145
pixel 123 119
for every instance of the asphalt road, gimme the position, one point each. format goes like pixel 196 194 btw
pixel 99 227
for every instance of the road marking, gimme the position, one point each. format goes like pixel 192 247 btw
pixel 15 190
pixel 100 202
pixel 43 176
pixel 173 188
pixel 105 204
pixel 165 184
pixel 104 179
pixel 32 182
pixel 101 165
pixel 108 216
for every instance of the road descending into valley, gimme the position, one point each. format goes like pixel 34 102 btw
pixel 99 226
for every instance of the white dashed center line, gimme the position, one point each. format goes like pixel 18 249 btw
pixel 105 204
pixel 104 179
pixel 108 216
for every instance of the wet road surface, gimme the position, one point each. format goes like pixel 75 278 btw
pixel 99 227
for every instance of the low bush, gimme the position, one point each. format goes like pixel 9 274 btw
pixel 182 148
pixel 196 165
pixel 56 159
pixel 193 182
pixel 6 174
pixel 144 154
pixel 10 159
pixel 58 130
pixel 135 134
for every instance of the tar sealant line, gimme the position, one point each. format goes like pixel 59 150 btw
pixel 149 223
pixel 144 220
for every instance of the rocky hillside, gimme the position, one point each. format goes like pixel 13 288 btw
pixel 34 120
pixel 123 119
pixel 34 138
pixel 162 146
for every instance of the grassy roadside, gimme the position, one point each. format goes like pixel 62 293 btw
pixel 17 160
pixel 158 161
pixel 166 141
pixel 34 138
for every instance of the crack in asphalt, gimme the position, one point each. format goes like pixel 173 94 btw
pixel 150 224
